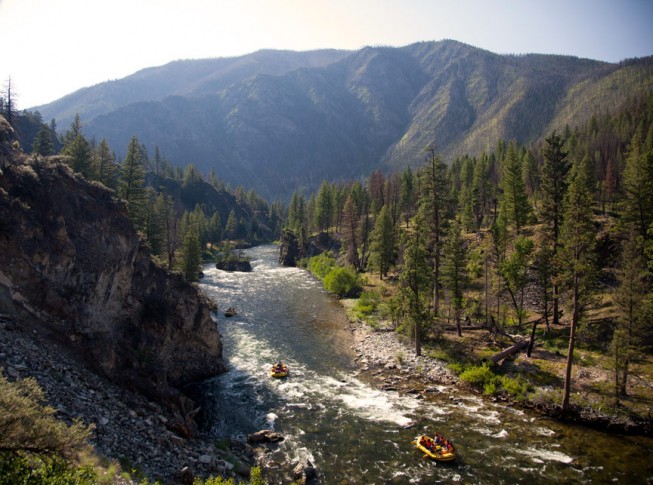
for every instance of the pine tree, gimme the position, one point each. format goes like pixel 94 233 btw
pixel 432 201
pixel 323 208
pixel 8 102
pixel 78 150
pixel 414 282
pixel 576 258
pixel 153 225
pixel 454 271
pixel 231 228
pixel 43 144
pixel 514 200
pixel 638 186
pixel 215 229
pixel 165 207
pixel 131 183
pixel 480 196
pixel 79 153
pixel 514 269
pixel 191 253
pixel 407 194
pixel 350 232
pixel 629 296
pixel 383 242
pixel 105 162
pixel 553 186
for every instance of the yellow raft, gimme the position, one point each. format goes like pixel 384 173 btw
pixel 426 445
pixel 278 372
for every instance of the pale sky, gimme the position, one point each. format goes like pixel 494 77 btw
pixel 51 48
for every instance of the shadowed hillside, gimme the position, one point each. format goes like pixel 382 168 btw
pixel 282 121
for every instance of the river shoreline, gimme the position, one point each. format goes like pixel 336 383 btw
pixel 389 359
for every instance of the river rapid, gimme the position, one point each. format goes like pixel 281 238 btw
pixel 354 433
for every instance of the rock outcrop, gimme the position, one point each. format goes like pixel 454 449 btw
pixel 71 261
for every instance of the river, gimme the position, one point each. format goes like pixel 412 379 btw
pixel 355 433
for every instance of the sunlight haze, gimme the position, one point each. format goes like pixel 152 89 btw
pixel 54 47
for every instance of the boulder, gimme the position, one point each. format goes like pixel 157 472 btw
pixel 264 436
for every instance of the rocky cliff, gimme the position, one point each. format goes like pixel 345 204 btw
pixel 71 263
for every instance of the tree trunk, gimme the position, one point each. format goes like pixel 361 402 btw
pixel 617 387
pixel 556 312
pixel 570 351
pixel 418 337
pixel 532 341
pixel 509 351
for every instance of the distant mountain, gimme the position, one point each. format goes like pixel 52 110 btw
pixel 281 121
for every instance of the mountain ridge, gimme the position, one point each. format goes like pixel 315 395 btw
pixel 279 122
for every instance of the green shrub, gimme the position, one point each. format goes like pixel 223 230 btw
pixel 517 388
pixel 321 264
pixel 478 376
pixel 367 304
pixel 256 478
pixel 490 388
pixel 456 367
pixel 32 468
pixel 36 447
pixel 343 282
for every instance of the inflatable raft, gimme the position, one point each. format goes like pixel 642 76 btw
pixel 433 450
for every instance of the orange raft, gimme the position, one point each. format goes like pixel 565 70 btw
pixel 279 370
pixel 434 450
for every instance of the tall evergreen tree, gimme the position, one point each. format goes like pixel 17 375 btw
pixel 350 232
pixel 215 229
pixel 153 225
pixel 454 269
pixel 383 242
pixel 553 186
pixel 629 297
pixel 576 258
pixel 514 200
pixel 638 186
pixel 414 282
pixel 514 268
pixel 131 183
pixel 79 153
pixel 165 207
pixel 433 200
pixel 407 194
pixel 324 207
pixel 191 253
pixel 74 131
pixel 105 162
pixel 232 226
pixel 43 144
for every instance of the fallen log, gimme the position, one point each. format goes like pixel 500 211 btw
pixel 509 351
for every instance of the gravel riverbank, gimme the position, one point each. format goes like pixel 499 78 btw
pixel 390 359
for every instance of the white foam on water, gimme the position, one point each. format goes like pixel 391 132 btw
pixel 541 456
pixel 542 431
pixel 377 405
pixel 484 431
pixel 270 419
pixel 501 434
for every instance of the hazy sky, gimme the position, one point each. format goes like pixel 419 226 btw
pixel 51 48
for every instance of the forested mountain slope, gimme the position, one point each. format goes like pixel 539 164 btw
pixel 282 121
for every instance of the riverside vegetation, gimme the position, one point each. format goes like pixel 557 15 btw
pixel 549 243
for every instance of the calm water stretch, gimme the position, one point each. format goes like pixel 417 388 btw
pixel 354 433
